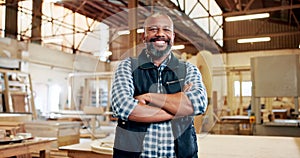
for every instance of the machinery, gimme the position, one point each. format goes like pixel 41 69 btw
pixel 275 77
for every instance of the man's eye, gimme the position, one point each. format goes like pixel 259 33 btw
pixel 153 29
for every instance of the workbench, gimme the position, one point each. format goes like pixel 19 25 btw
pixel 88 116
pixel 40 145
pixel 82 150
pixel 235 125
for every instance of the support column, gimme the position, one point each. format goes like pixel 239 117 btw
pixel 11 19
pixel 132 23
pixel 36 32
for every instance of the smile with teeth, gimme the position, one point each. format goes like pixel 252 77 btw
pixel 160 43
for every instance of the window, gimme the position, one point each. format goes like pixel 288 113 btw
pixel 245 89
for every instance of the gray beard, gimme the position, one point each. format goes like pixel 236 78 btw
pixel 154 53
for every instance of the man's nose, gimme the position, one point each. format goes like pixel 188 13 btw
pixel 160 32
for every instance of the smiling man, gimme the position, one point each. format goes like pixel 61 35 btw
pixel 159 36
pixel 155 98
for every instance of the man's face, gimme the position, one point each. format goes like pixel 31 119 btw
pixel 159 36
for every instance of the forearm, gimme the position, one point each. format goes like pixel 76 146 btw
pixel 177 104
pixel 146 113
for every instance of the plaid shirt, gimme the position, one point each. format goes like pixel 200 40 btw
pixel 159 141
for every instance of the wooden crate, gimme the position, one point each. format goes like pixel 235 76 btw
pixel 67 133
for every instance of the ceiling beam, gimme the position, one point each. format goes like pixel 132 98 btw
pixel 248 5
pixel 262 10
pixel 110 14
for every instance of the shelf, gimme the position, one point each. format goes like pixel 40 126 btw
pixel 17 91
pixel 16 83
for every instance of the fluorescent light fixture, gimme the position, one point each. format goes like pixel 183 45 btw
pixel 252 40
pixel 124 32
pixel 127 32
pixel 140 30
pixel 176 47
pixel 247 17
pixel 54 1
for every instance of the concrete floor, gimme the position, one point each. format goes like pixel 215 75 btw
pixel 236 146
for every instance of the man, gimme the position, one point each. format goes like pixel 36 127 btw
pixel 155 98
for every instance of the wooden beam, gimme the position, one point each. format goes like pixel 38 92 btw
pixel 11 19
pixel 248 5
pixel 132 23
pixel 36 20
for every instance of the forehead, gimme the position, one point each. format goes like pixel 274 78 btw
pixel 160 20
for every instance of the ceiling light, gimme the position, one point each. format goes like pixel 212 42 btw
pixel 247 17
pixel 124 32
pixel 252 40
pixel 54 1
pixel 140 30
pixel 176 47
pixel 127 32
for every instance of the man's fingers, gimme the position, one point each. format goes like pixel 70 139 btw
pixel 187 87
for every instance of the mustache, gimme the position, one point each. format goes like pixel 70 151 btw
pixel 160 39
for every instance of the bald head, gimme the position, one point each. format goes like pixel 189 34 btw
pixel 156 16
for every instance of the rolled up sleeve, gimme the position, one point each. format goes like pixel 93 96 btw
pixel 197 94
pixel 122 93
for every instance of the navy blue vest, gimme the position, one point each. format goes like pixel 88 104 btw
pixel 130 135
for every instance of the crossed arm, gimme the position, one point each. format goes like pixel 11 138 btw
pixel 154 107
pixel 163 106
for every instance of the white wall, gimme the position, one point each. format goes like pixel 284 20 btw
pixel 48 77
pixel 49 70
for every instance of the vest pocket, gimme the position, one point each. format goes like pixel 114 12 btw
pixel 174 86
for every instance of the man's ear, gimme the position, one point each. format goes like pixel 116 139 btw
pixel 143 37
pixel 173 37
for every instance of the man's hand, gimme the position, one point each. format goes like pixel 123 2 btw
pixel 144 98
pixel 187 87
